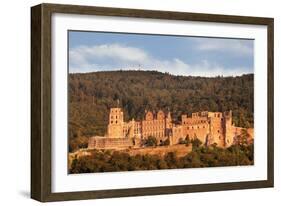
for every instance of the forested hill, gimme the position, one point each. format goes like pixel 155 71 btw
pixel 92 94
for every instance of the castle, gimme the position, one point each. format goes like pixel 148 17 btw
pixel 208 127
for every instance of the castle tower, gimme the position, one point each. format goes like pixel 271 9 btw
pixel 169 120
pixel 132 128
pixel 228 128
pixel 210 139
pixel 116 122
pixel 168 124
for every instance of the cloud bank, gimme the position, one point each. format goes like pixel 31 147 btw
pixel 107 57
pixel 233 46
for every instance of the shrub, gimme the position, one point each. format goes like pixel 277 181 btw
pixel 182 141
pixel 196 143
pixel 187 140
pixel 151 141
pixel 166 142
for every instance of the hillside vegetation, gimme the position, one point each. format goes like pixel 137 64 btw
pixel 91 95
pixel 200 156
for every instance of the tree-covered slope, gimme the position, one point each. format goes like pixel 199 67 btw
pixel 91 95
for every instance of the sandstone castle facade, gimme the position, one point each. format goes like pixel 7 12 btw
pixel 208 127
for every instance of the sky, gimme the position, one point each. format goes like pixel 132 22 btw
pixel 177 55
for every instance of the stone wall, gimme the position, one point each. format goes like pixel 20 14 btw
pixel 110 143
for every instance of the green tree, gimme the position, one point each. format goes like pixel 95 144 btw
pixel 187 140
pixel 196 143
pixel 151 141
pixel 166 142
pixel 110 161
pixel 182 141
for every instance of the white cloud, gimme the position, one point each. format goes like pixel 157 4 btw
pixel 117 52
pixel 116 57
pixel 236 47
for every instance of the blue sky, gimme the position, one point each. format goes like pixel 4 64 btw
pixel 178 55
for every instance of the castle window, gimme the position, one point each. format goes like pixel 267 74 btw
pixel 198 127
pixel 218 131
pixel 111 122
pixel 116 122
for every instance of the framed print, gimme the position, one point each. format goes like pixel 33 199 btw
pixel 130 102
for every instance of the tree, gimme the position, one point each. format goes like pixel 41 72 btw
pixel 187 140
pixel 78 143
pixel 181 141
pixel 166 142
pixel 171 159
pixel 109 161
pixel 242 139
pixel 196 143
pixel 151 141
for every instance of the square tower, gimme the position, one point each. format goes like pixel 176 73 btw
pixel 116 122
pixel 229 137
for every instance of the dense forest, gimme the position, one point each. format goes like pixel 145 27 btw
pixel 91 95
pixel 200 156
